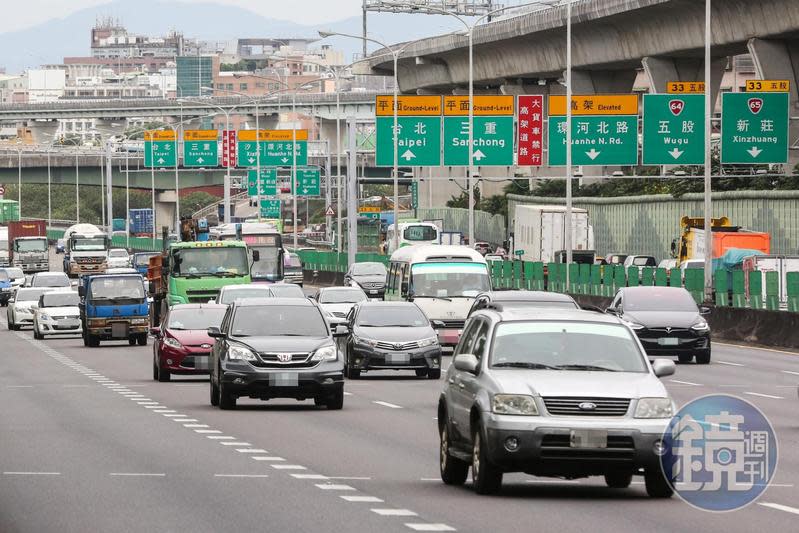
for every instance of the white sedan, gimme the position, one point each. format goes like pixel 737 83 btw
pixel 21 306
pixel 57 314
pixel 118 258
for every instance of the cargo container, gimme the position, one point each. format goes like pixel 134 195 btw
pixel 5 258
pixel 9 211
pixel 28 248
pixel 539 232
pixel 141 221
pixel 118 224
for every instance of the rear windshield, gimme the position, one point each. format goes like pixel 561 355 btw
pixel 195 319
pixel 51 281
pixel 29 295
pixel 4 276
pixel 274 321
pixel 342 296
pixel 61 299
pixel 287 290
pixel 231 295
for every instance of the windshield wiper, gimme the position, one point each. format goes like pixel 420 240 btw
pixel 521 364
pixel 586 367
pixel 191 276
pixel 226 273
pixel 445 298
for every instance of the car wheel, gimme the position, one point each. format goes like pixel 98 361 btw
pixel 703 357
pixel 36 334
pixel 486 478
pixel 214 394
pixel 93 340
pixel 226 400
pixel 434 373
pixel 657 486
pixel 163 375
pixel 683 359
pixel 85 338
pixel 132 341
pixel 142 338
pixel 336 400
pixel 155 369
pixel 453 470
pixel 618 480
pixel 319 401
pixel 421 372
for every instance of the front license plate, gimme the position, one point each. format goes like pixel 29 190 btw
pixel 119 330
pixel 398 358
pixel 669 341
pixel 68 323
pixel 373 292
pixel 201 362
pixel 283 379
pixel 589 438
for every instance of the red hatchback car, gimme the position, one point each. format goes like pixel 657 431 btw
pixel 182 343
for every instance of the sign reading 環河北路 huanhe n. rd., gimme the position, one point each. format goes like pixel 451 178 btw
pixel 160 149
pixel 418 135
pixel 493 135
pixel 754 128
pixel 276 148
pixel 200 148
pixel 674 129
pixel 604 130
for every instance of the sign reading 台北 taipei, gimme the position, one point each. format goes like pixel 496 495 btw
pixel 493 130
pixel 160 148
pixel 604 130
pixel 674 129
pixel 418 132
pixel 754 128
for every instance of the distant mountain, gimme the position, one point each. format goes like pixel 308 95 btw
pixel 49 42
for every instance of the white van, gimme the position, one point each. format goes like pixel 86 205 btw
pixel 442 280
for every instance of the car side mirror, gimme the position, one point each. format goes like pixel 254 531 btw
pixel 612 311
pixel 437 324
pixel 81 291
pixel 341 330
pixel 663 367
pixel 704 310
pixel 256 255
pixel 404 288
pixel 466 362
pixel 215 333
pixel 151 287
pixel 155 331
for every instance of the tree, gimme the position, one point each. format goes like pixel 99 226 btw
pixel 195 201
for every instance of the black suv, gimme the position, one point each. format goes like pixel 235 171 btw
pixel 276 348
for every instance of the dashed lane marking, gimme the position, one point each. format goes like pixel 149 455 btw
pixel 394 512
pixel 220 437
pixel 430 527
pixel 207 431
pixel 288 467
pixel 386 404
pixel 764 395
pixel 691 383
pixel 251 450
pixel 227 443
pixel 780 507
pixel 361 499
pixel 333 486
pixel 31 473
pixel 729 363
pixel 195 425
pixel 790 372
pixel 309 476
pixel 268 458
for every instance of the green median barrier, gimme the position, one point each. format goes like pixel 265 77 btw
pixel 596 280
pixel 695 283
pixel 662 277
pixel 648 276
pixel 792 290
pixel 538 276
pixel 633 276
pixel 756 289
pixel 574 278
pixel 552 277
pixel 496 273
pixel 517 274
pixel 773 291
pixel 738 289
pixel 527 273
pixel 342 262
pixel 607 281
pixel 619 278
pixel 507 274
pixel 585 279
pixel 563 270
pixel 721 287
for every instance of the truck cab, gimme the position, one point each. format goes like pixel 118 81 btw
pixel 31 254
pixel 114 307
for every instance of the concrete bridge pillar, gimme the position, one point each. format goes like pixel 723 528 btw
pixel 43 131
pixel 602 81
pixel 165 203
pixel 662 70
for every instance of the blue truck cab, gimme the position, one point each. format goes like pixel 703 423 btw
pixel 114 307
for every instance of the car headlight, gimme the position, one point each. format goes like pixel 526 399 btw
pixel 366 342
pixel 173 343
pixel 240 353
pixel 634 325
pixel 44 316
pixel 325 353
pixel 701 326
pixel 514 404
pixel 654 408
pixel 428 342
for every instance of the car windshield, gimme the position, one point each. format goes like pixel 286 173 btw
pixel 278 321
pixel 15 273
pixel 118 253
pixel 642 261
pixel 61 299
pixel 215 261
pixel 196 318
pixel 407 316
pixel 127 288
pixel 266 267
pixel 29 295
pixel 88 245
pixel 142 259
pixel 368 269
pixel 564 346
pixel 56 280
pixel 341 296
pixel 292 261
pixel 32 245
pixel 230 295
pixel 659 299
pixel 4 276
pixel 420 233
pixel 450 280
pixel 286 290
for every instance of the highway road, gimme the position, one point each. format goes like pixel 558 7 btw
pixel 88 442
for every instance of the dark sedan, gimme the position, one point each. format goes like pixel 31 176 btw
pixel 182 343
pixel 392 336
pixel 666 320
pixel 276 348
pixel 369 277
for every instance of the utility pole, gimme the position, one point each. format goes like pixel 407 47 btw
pixel 352 195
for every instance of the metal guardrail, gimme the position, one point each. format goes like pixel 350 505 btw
pixel 214 208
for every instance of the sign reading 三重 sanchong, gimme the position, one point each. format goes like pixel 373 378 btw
pixel 275 146
pixel 418 132
pixel 604 130
pixel 200 148
pixel 754 128
pixel 530 141
pixel 673 130
pixel 492 139
pixel 160 148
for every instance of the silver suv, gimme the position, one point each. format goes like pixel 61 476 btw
pixel 563 393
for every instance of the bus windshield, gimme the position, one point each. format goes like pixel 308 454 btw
pixel 267 267
pixel 212 261
pixel 449 280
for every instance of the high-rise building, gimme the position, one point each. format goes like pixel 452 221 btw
pixel 194 73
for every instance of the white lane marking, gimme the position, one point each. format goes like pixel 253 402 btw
pixel 430 527
pixel 162 411
pixel 185 419
pixel 195 425
pixel 386 404
pixel 739 346
pixel 153 407
pixel 242 475
pixel 235 444
pixel 146 402
pixel 31 473
pixel 780 507
pixel 267 458
pixel 289 467
pixel 207 431
pixel 361 499
pixel 250 450
pixel 333 486
pixel 691 383
pixel 348 393
pixel 221 437
pixel 764 395
pixel 394 512
pixel 728 363
pixel 350 478
pixel 790 372
pixel 309 476
pixel 19 386
pixel 136 474
pixel 175 415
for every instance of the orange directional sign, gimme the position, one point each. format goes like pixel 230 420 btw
pixel 484 105
pixel 408 106
pixel 200 135
pixel 273 135
pixel 595 104
pixel 685 87
pixel 159 135
pixel 768 86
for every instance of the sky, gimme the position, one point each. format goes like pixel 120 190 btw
pixel 20 15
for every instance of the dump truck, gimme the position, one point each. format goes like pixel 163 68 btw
pixel 85 250
pixel 691 243
pixel 28 248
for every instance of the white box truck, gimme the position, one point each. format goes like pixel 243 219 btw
pixel 539 231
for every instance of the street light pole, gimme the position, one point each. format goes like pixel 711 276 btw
pixel 109 190
pixel 19 180
pixel 471 136
pixel 708 282
pixel 396 150
pixel 77 189
pixel 568 223
pixel 49 190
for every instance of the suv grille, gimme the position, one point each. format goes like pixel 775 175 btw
pixel 201 297
pixel 454 324
pixel 567 406
pixel 372 285
pixel 88 260
pixel 298 360
pixel 397 345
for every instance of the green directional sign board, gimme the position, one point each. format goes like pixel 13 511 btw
pixel 277 148
pixel 674 130
pixel 268 182
pixel 307 181
pixel 160 149
pixel 493 130
pixel 200 148
pixel 270 208
pixel 754 128
pixel 418 141
pixel 596 140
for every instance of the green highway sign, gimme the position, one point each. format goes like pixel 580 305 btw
pixel 415 194
pixel 418 141
pixel 270 208
pixel 307 181
pixel 367 214
pixel 674 129
pixel 200 148
pixel 754 128
pixel 600 140
pixel 160 154
pixel 273 153
pixel 268 182
pixel 493 141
